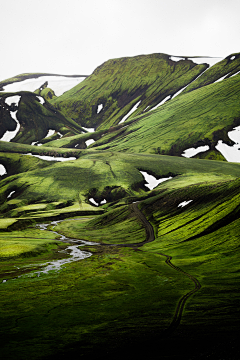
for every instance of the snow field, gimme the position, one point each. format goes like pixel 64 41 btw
pixel 152 181
pixel 194 151
pixel 51 158
pixel 59 84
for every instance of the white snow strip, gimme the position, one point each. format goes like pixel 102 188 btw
pixel 162 102
pixel 152 181
pixel 34 142
pixel 233 57
pixel 103 202
pixel 2 170
pixel 51 158
pixel 59 84
pixel 89 129
pixel 61 135
pixel 179 91
pixel 130 112
pixel 176 58
pixel 93 201
pixel 221 78
pixel 13 99
pixel 41 99
pixel 234 74
pixel 89 142
pixel 100 107
pixel 209 60
pixel 9 135
pixel 11 193
pixel 50 133
pixel 184 203
pixel 39 144
pixel 192 151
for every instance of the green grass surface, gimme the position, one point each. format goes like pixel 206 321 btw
pixel 119 302
pixel 200 117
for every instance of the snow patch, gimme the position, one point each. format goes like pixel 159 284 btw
pixel 89 129
pixel 231 153
pixel 233 57
pixel 152 181
pixel 2 170
pixel 61 135
pixel 192 151
pixel 41 99
pixel 103 202
pixel 209 60
pixel 89 142
pixel 51 158
pixel 11 193
pixel 59 84
pixel 50 133
pixel 100 107
pixel 93 201
pixel 129 113
pixel 184 203
pixel 9 135
pixel 13 100
pixel 176 58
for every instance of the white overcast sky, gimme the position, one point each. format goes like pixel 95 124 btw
pixel 75 36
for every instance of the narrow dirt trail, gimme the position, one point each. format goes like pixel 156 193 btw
pixel 181 303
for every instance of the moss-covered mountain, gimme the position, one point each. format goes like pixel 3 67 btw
pixel 163 275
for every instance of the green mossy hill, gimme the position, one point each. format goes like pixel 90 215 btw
pixel 223 69
pixel 46 93
pixel 35 118
pixel 102 176
pixel 200 117
pixel 119 84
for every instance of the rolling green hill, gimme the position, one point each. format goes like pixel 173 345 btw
pixel 98 257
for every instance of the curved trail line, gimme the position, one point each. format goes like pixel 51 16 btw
pixel 181 303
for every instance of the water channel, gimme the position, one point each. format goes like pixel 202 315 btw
pixel 73 250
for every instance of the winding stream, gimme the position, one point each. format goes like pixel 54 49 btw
pixel 76 254
pixel 73 250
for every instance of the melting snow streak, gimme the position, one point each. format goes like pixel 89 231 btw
pixel 152 181
pixel 129 113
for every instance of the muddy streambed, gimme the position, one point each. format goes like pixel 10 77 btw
pixel 73 250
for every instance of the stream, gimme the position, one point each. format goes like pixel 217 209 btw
pixel 73 250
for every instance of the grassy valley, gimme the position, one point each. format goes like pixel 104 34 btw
pixel 94 261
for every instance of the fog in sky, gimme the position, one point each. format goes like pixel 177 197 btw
pixel 75 36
